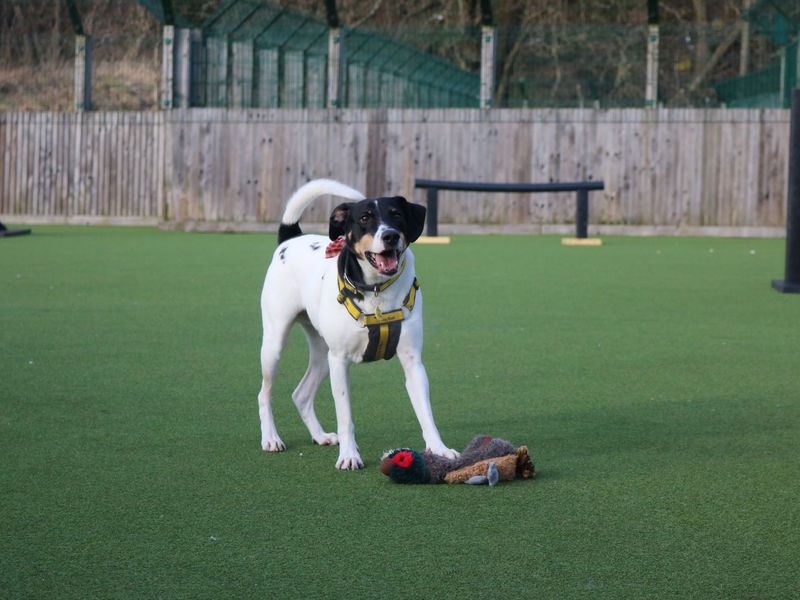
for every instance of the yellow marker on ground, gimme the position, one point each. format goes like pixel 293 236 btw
pixel 581 242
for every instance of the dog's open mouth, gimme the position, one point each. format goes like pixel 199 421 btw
pixel 386 262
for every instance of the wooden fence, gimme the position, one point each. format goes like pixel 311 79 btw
pixel 677 168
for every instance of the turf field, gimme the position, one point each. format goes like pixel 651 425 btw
pixel 655 380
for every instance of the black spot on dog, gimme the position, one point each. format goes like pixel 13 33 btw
pixel 282 254
pixel 315 246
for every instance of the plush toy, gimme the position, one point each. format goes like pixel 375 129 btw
pixel 484 460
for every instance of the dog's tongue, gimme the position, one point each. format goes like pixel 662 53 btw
pixel 386 263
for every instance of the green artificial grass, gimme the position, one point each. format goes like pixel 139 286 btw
pixel 654 380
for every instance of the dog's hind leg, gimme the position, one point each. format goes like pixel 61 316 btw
pixel 303 396
pixel 271 346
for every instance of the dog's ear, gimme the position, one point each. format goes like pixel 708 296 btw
pixel 415 219
pixel 337 224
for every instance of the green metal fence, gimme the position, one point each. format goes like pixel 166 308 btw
pixel 766 88
pixel 254 54
pixel 257 54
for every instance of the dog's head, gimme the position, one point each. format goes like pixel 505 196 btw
pixel 378 230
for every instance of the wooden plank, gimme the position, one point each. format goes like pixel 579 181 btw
pixel 113 156
pixel 134 161
pixel 27 198
pixel 13 162
pixel 139 163
pixel 49 179
pixel 55 183
pixel 80 206
pixel 4 159
pixel 96 163
pixel 37 126
pixel 163 166
pixel 20 197
pixel 124 153
pixel 101 182
pixel 67 164
pixel 145 164
pixel 151 208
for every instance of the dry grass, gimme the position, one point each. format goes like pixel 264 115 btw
pixel 119 85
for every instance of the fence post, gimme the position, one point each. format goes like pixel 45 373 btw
pixel 183 68
pixel 791 281
pixel 83 60
pixel 83 72
pixel 335 55
pixel 167 67
pixel 651 86
pixel 433 212
pixel 488 45
pixel 335 70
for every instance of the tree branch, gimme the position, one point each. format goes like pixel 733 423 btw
pixel 703 71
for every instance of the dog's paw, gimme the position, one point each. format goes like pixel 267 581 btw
pixel 349 463
pixel 327 439
pixel 445 452
pixel 273 445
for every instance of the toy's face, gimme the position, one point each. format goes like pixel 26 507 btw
pixel 402 458
pixel 404 465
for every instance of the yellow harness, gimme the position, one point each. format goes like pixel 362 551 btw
pixel 383 327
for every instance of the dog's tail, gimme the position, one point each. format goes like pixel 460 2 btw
pixel 303 197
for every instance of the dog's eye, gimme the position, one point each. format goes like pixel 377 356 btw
pixel 394 212
pixel 365 218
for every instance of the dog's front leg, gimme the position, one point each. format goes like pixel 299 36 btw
pixel 349 458
pixel 419 393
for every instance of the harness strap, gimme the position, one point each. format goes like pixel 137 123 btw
pixel 382 341
pixel 383 328
pixel 357 291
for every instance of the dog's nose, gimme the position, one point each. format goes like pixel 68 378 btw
pixel 390 238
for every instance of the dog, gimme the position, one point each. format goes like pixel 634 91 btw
pixel 361 305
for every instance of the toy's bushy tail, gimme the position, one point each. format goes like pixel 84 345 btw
pixel 303 198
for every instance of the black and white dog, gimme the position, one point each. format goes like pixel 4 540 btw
pixel 360 305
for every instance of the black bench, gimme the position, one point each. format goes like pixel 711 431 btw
pixel 6 232
pixel 582 189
